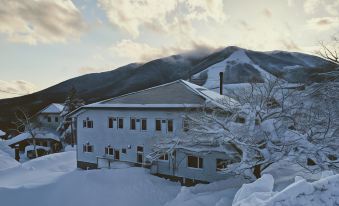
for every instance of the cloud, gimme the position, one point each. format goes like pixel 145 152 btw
pixel 323 23
pixel 329 6
pixel 160 16
pixel 290 45
pixel 15 88
pixel 266 12
pixel 40 21
pixel 143 52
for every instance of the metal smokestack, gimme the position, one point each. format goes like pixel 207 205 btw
pixel 221 76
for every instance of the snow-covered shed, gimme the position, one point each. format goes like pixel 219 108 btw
pixel 45 138
pixel 127 128
pixel 50 116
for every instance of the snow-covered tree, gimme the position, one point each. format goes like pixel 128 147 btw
pixel 71 103
pixel 271 121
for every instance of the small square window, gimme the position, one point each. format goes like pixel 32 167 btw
pixel 221 164
pixel 194 161
pixel 56 119
pixel 163 157
pixel 49 119
pixel 123 150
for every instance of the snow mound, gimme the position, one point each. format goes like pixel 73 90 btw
pixel 217 193
pixel 6 157
pixel 324 191
pixel 54 180
pixel 2 133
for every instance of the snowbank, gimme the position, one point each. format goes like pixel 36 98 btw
pixel 2 133
pixel 54 180
pixel 321 192
pixel 7 157
pixel 216 193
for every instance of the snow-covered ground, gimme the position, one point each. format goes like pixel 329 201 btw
pixel 6 157
pixel 55 180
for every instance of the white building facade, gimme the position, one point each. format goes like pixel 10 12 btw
pixel 49 117
pixel 126 128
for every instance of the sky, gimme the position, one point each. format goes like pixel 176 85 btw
pixel 44 42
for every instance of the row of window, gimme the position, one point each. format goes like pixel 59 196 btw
pixel 192 161
pixel 198 162
pixel 49 119
pixel 119 122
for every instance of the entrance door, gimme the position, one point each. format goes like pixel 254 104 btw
pixel 117 154
pixel 139 158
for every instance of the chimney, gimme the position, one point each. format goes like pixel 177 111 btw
pixel 221 75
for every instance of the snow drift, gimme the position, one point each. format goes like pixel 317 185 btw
pixel 324 191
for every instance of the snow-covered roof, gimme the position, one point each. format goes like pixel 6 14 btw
pixel 26 135
pixel 52 108
pixel 177 94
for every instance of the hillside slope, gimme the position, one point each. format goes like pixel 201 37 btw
pixel 239 65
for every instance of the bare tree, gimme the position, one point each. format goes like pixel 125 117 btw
pixel 330 50
pixel 24 122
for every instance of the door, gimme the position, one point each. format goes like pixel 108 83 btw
pixel 140 158
pixel 117 154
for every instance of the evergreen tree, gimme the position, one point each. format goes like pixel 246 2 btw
pixel 66 126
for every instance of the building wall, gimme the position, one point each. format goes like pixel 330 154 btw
pixel 179 167
pixel 101 136
pixel 43 119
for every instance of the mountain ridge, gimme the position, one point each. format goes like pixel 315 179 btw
pixel 292 66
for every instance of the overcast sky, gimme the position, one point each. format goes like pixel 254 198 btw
pixel 44 42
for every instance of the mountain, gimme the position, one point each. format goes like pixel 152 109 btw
pixel 239 65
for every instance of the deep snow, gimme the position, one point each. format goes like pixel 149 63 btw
pixel 55 180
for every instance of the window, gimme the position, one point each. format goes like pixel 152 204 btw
pixel 221 164
pixel 140 149
pixel 170 125
pixel 49 119
pixel 110 122
pixel 163 157
pixel 240 119
pixel 56 119
pixel 87 148
pixel 158 125
pixel 108 150
pixel 87 123
pixel 123 150
pixel 116 154
pixel 132 124
pixel 185 125
pixel 144 124
pixel 120 123
pixel 194 161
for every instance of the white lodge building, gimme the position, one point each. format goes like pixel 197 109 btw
pixel 49 116
pixel 127 127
